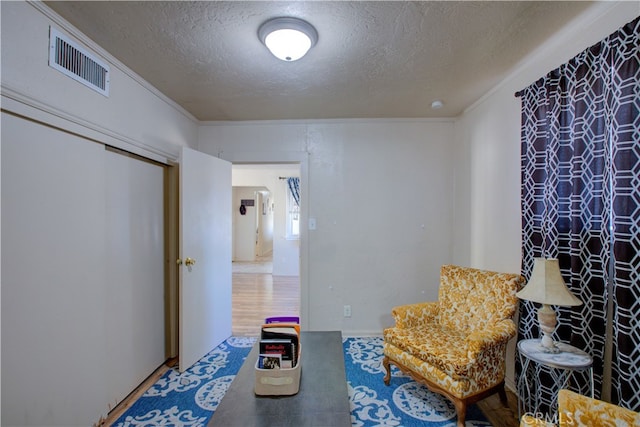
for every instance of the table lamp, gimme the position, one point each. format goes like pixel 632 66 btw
pixel 547 287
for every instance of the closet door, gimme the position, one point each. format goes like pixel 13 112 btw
pixel 53 276
pixel 135 271
pixel 82 275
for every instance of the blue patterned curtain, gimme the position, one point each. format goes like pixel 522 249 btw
pixel 581 203
pixel 294 187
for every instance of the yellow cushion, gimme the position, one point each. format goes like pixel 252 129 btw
pixel 446 349
pixel 470 299
pixel 576 410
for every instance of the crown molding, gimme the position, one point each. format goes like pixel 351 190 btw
pixel 18 103
pixel 605 16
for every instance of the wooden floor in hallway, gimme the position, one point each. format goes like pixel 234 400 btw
pixel 257 296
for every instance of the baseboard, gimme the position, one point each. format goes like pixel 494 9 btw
pixel 361 334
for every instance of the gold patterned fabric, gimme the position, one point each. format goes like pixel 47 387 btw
pixel 576 410
pixel 458 342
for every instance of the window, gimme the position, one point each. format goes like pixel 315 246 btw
pixel 293 209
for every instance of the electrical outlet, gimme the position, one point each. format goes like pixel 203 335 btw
pixel 347 311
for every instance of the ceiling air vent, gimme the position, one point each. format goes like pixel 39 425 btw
pixel 68 57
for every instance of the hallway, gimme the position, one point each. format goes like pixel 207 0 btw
pixel 258 294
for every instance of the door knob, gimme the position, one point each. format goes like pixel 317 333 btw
pixel 189 261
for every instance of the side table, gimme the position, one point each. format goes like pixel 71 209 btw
pixel 560 366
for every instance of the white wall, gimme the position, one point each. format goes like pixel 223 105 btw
pixel 134 116
pixel 487 149
pixel 59 317
pixel 381 194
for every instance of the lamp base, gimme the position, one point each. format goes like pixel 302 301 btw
pixel 547 322
pixel 547 345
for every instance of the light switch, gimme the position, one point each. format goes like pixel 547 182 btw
pixel 312 223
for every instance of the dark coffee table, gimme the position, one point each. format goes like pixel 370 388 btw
pixel 322 401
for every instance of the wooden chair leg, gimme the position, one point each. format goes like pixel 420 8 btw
pixel 461 410
pixel 387 367
pixel 503 396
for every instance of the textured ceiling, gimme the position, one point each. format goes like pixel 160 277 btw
pixel 373 59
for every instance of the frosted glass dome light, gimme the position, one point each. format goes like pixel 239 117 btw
pixel 288 39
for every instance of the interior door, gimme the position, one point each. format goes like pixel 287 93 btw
pixel 205 252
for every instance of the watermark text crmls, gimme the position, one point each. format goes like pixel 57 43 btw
pixel 563 419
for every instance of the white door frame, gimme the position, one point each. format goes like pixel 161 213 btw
pixel 301 158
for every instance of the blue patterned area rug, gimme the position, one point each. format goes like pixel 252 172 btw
pixel 403 403
pixel 190 399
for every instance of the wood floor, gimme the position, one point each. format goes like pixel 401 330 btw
pixel 257 296
pixel 497 414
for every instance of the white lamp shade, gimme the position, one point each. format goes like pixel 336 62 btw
pixel 288 45
pixel 546 285
pixel 288 39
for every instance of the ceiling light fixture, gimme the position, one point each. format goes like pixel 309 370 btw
pixel 437 104
pixel 288 39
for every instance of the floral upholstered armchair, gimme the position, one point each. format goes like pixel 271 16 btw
pixel 457 345
pixel 576 410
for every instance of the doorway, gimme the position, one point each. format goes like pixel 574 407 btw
pixel 266 267
pixel 253 223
